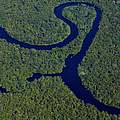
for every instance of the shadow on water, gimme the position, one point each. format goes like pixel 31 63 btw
pixel 69 73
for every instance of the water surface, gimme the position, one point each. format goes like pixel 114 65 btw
pixel 69 73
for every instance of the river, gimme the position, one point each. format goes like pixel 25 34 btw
pixel 69 73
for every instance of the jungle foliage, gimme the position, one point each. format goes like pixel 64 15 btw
pixel 34 22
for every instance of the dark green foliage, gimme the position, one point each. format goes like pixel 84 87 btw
pixel 101 66
pixel 33 21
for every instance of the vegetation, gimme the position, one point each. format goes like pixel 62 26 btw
pixel 33 21
pixel 101 66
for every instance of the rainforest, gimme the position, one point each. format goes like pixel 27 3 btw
pixel 68 68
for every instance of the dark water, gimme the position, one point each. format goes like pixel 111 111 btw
pixel 69 73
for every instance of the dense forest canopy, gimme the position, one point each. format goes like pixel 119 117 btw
pixel 34 22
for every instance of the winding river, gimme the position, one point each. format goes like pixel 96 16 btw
pixel 69 73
